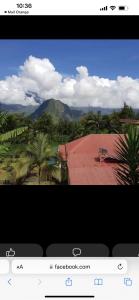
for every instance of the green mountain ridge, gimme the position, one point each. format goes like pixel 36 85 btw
pixel 57 109
pixel 17 108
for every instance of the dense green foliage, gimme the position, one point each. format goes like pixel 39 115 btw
pixel 127 153
pixel 39 153
pixel 12 134
pixel 27 145
pixel 127 112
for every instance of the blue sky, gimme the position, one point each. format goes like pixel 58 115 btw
pixel 104 58
pixel 102 73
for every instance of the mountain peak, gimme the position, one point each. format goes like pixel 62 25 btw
pixel 57 109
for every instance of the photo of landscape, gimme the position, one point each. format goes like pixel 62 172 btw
pixel 69 112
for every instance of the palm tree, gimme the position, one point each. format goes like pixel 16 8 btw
pixel 97 119
pixel 127 153
pixel 4 137
pixel 20 171
pixel 8 135
pixel 51 170
pixel 39 153
pixel 92 122
pixel 112 123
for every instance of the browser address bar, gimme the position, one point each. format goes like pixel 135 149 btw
pixel 69 266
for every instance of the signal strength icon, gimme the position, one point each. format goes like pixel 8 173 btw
pixel 112 7
pixel 104 8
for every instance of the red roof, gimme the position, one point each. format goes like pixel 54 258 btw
pixel 84 167
pixel 129 121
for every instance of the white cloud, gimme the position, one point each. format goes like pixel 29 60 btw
pixel 83 71
pixel 39 75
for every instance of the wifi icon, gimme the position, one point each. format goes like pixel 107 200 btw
pixel 112 7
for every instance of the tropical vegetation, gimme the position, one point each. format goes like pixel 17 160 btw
pixel 29 146
pixel 127 153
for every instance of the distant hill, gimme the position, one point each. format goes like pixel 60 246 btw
pixel 54 107
pixel 57 109
pixel 72 112
pixel 104 111
pixel 17 108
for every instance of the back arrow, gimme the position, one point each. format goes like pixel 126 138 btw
pixel 9 281
pixel 39 281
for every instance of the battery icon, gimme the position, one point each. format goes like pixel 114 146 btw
pixel 123 8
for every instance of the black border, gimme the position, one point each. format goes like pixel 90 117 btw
pixel 68 213
pixel 67 27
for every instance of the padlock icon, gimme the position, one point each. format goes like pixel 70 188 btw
pixel 68 282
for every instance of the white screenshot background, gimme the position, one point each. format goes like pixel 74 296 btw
pixel 68 7
pixel 38 279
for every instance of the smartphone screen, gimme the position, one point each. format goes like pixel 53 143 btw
pixel 69 145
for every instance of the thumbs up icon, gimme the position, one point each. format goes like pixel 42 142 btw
pixel 68 282
pixel 10 253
